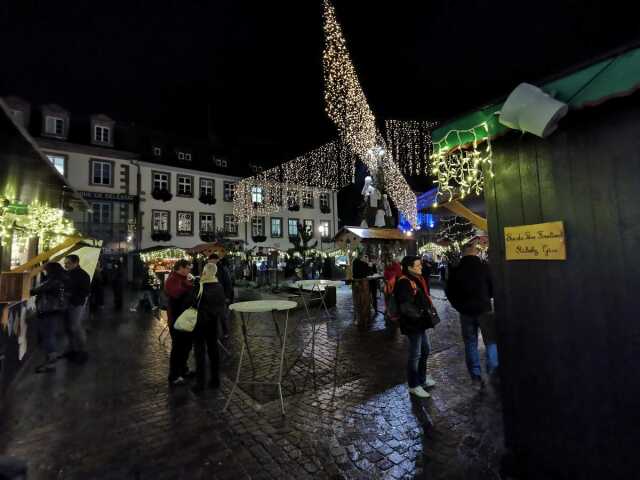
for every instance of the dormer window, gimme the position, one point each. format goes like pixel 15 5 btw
pixel 223 163
pixel 102 134
pixel 157 151
pixel 218 162
pixel 102 130
pixel 54 126
pixel 184 156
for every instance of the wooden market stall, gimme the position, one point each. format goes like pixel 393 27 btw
pixel 564 225
pixel 381 245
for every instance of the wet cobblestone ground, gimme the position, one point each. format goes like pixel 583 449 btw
pixel 114 418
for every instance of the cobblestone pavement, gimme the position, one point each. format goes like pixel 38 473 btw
pixel 114 418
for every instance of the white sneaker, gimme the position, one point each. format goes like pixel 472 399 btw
pixel 429 382
pixel 419 392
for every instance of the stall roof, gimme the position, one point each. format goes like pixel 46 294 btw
pixel 374 233
pixel 26 174
pixel 615 76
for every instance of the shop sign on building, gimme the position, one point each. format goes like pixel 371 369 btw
pixel 543 241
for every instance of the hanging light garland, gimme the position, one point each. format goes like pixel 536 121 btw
pixel 347 107
pixel 410 144
pixel 24 222
pixel 459 172
pixel 324 169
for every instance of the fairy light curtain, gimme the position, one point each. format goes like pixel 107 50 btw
pixel 325 169
pixel 410 144
pixel 460 171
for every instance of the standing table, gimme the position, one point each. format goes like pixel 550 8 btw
pixel 319 286
pixel 246 309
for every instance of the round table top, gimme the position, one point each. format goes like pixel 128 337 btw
pixel 321 284
pixel 375 276
pixel 259 306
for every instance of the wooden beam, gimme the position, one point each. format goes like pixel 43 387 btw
pixel 459 209
pixel 35 261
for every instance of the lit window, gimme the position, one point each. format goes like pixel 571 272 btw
pixel 59 162
pixel 207 222
pixel 230 225
pixel 257 226
pixel 276 227
pixel 308 227
pixel 257 195
pixel 54 126
pixel 325 228
pixel 185 185
pixel 185 223
pixel 160 181
pixel 293 227
pixel 207 187
pixel 101 173
pixel 160 221
pixel 102 134
pixel 157 151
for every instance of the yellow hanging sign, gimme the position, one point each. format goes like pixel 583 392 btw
pixel 544 241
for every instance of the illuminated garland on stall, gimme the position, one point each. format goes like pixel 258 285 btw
pixel 20 223
pixel 346 105
pixel 410 144
pixel 459 171
pixel 163 254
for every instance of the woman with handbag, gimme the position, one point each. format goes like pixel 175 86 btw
pixel 417 314
pixel 211 306
pixel 52 301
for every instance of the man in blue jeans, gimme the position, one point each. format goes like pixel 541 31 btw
pixel 470 291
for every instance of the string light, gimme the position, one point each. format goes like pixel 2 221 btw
pixel 24 222
pixel 347 107
pixel 459 172
pixel 410 144
pixel 326 168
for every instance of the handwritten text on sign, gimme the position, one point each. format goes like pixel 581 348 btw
pixel 544 241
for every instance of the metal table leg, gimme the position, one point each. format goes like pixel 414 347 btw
pixel 246 341
pixel 235 384
pixel 282 353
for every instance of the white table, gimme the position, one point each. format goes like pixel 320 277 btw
pixel 262 306
pixel 319 286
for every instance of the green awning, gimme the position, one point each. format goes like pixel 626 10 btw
pixel 614 77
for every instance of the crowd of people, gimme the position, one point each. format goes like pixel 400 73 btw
pixel 62 298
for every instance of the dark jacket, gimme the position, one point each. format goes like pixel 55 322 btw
pixel 212 303
pixel 79 286
pixel 52 295
pixel 469 288
pixel 360 269
pixel 412 304
pixel 224 279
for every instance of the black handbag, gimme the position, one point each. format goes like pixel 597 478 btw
pixel 431 314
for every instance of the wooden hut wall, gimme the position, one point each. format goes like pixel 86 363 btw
pixel 569 331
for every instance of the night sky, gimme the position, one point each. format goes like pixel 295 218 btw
pixel 258 64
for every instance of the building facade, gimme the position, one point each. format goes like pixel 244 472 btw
pixel 148 188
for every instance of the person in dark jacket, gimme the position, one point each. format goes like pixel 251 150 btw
pixel 469 289
pixel 179 291
pixel 52 301
pixel 211 301
pixel 79 289
pixel 412 296
pixel 224 278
